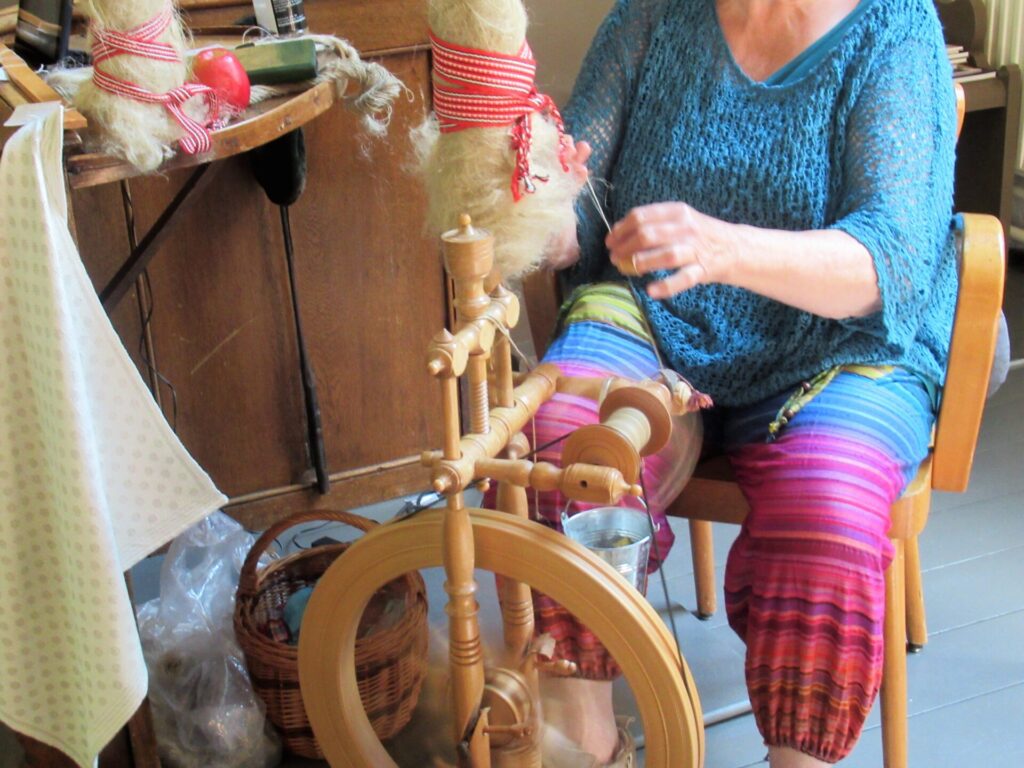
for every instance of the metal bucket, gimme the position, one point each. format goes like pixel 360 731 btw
pixel 618 535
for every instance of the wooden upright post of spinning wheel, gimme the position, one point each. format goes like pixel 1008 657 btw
pixel 497 718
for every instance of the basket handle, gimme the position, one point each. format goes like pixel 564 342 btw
pixel 247 577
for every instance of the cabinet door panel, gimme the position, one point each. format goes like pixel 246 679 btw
pixel 371 286
pixel 222 330
pixel 98 225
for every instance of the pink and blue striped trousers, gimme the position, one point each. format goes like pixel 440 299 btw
pixel 804 581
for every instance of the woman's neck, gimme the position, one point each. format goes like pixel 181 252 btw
pixel 763 35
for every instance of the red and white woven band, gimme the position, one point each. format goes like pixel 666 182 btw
pixel 141 41
pixel 490 90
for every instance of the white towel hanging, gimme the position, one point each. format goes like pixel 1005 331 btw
pixel 92 478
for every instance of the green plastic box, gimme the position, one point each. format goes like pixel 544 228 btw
pixel 284 61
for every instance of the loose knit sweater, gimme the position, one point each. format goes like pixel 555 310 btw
pixel 862 143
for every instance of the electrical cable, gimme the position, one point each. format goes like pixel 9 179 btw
pixel 144 354
pixel 147 307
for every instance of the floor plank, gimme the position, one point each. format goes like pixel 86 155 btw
pixel 983 732
pixel 975 590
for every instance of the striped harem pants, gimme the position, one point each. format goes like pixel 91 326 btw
pixel 804 582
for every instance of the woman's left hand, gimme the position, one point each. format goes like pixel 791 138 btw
pixel 673 236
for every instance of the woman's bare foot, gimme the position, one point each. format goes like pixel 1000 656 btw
pixel 784 757
pixel 581 711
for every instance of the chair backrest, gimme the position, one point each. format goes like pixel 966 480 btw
pixel 961 106
pixel 971 351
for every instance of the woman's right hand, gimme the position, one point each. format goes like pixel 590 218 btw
pixel 563 249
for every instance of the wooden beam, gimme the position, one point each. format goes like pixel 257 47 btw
pixel 34 89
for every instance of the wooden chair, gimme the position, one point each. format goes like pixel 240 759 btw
pixel 713 496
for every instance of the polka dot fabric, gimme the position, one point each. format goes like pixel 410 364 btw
pixel 92 479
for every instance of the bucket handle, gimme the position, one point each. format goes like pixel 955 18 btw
pixel 564 519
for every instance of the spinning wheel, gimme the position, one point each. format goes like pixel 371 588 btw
pixel 528 552
pixel 497 712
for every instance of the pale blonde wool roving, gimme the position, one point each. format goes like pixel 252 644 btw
pixel 470 171
pixel 143 134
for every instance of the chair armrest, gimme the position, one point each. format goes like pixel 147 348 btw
pixel 979 301
pixel 542 298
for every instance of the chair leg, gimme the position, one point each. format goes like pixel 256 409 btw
pixel 703 551
pixel 917 628
pixel 894 671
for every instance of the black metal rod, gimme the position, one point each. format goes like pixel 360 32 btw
pixel 314 425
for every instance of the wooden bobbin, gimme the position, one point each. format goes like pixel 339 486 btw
pixel 653 400
pixel 635 422
pixel 605 446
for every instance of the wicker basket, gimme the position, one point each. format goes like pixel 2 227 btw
pixel 390 663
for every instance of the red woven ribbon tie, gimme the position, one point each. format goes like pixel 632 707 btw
pixel 490 90
pixel 142 41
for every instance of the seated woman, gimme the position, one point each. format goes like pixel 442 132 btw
pixel 781 175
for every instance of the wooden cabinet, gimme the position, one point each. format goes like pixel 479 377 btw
pixel 371 289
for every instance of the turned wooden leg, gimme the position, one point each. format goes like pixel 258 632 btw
pixel 703 552
pixel 917 627
pixel 894 671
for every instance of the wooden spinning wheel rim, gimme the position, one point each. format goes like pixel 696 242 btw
pixel 518 549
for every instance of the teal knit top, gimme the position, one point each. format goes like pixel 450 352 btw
pixel 859 136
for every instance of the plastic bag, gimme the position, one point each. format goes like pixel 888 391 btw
pixel 205 712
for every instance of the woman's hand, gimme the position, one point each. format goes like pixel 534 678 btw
pixel 673 236
pixel 576 157
pixel 563 249
pixel 824 272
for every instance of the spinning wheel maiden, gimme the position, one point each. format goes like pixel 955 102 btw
pixel 496 710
